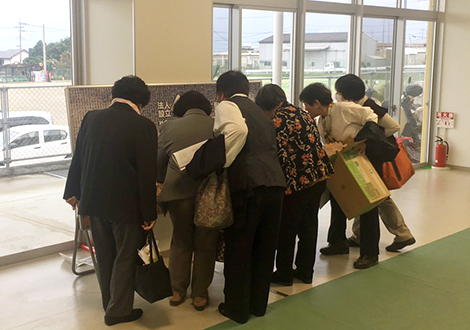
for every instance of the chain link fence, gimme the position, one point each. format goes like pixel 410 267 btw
pixel 34 125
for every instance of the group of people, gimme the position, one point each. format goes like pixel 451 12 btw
pixel 277 162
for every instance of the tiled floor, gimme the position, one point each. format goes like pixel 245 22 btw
pixel 44 294
pixel 33 214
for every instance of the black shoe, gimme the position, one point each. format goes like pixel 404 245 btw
pixel 364 262
pixel 352 242
pixel 257 313
pixel 395 246
pixel 224 312
pixel 302 278
pixel 112 320
pixel 333 249
pixel 278 280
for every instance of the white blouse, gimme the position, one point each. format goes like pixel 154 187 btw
pixel 345 119
pixel 230 122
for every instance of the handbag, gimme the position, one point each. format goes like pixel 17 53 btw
pixel 398 171
pixel 152 281
pixel 213 202
pixel 378 147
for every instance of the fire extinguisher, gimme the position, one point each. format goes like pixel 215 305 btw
pixel 442 152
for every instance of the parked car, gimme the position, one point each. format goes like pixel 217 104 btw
pixel 37 141
pixel 20 118
pixel 333 67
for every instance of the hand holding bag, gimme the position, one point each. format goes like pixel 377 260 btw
pixel 152 281
pixel 213 202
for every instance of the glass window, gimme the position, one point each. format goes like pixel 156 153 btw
pixel 35 22
pixel 258 52
pixel 326 48
pixel 25 140
pixel 54 135
pixel 376 57
pixel 220 41
pixel 416 94
pixel 417 4
pixel 337 1
pixel 381 3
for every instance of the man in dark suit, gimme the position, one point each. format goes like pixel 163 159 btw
pixel 257 185
pixel 112 180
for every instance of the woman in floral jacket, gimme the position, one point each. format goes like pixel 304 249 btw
pixel 306 167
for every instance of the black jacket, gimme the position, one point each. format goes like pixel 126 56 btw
pixel 113 171
pixel 379 110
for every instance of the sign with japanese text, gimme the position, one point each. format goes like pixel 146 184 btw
pixel 445 119
pixel 81 99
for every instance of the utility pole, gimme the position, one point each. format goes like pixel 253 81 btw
pixel 21 49
pixel 44 48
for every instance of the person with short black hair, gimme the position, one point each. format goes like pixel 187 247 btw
pixel 351 88
pixel 112 181
pixel 192 100
pixel 178 197
pixel 133 89
pixel 306 167
pixel 341 122
pixel 271 98
pixel 257 187
pixel 316 93
pixel 231 83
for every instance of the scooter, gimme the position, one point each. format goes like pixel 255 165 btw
pixel 413 126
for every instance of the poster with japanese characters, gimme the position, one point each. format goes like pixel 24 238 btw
pixel 445 119
pixel 81 99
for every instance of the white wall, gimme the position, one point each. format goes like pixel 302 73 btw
pixel 173 40
pixel 109 35
pixel 16 58
pixel 455 79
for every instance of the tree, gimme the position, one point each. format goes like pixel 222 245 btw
pixel 35 54
pixel 53 51
pixel 56 49
pixel 58 56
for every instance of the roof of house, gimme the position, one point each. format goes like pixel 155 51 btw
pixel 8 54
pixel 313 37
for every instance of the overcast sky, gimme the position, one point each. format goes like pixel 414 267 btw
pixel 53 13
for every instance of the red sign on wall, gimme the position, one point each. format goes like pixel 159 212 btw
pixel 445 119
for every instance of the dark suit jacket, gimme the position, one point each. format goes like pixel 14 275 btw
pixel 114 167
pixel 195 126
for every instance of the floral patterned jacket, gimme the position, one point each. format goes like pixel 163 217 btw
pixel 301 152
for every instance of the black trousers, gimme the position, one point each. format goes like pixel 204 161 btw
pixel 116 245
pixel 370 227
pixel 299 218
pixel 249 253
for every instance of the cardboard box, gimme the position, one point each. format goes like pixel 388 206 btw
pixel 356 185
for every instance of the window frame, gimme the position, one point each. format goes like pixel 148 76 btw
pixel 357 11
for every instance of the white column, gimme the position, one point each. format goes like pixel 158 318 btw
pixel 297 53
pixel 44 48
pixel 277 48
pixel 235 44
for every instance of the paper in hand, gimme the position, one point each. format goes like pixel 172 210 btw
pixel 184 156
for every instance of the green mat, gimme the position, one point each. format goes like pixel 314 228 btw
pixel 426 288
